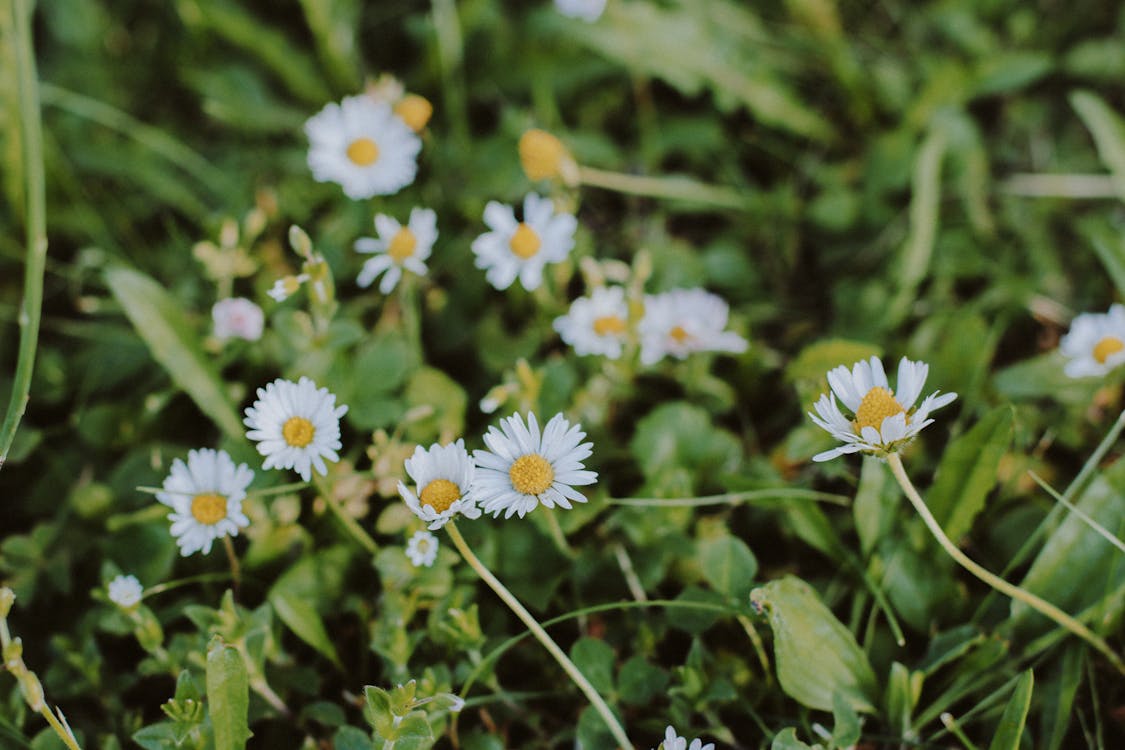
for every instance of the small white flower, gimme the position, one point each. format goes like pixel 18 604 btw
pixel 443 480
pixel 522 468
pixel 884 421
pixel 286 287
pixel 362 145
pixel 237 317
pixel 598 324
pixel 398 247
pixel 422 549
pixel 587 10
pixel 205 495
pixel 673 741
pixel 125 591
pixel 1095 344
pixel 523 248
pixel 684 321
pixel 296 426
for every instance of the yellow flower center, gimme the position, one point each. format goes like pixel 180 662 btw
pixel 609 325
pixel 209 508
pixel 531 474
pixel 541 154
pixel 877 405
pixel 525 242
pixel 402 245
pixel 415 111
pixel 298 432
pixel 363 152
pixel 679 334
pixel 1106 348
pixel 440 494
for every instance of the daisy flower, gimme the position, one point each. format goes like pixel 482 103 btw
pixel 673 741
pixel 884 421
pixel 397 247
pixel 597 324
pixel 523 468
pixel 684 321
pixel 237 317
pixel 522 248
pixel 587 10
pixel 125 591
pixel 443 478
pixel 1095 344
pixel 286 287
pixel 296 426
pixel 205 495
pixel 422 549
pixel 362 145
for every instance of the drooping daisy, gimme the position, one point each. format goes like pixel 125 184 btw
pixel 443 479
pixel 1095 344
pixel 884 421
pixel 296 426
pixel 205 495
pixel 422 549
pixel 397 247
pixel 587 10
pixel 125 591
pixel 522 248
pixel 237 317
pixel 673 741
pixel 598 324
pixel 684 321
pixel 523 468
pixel 361 144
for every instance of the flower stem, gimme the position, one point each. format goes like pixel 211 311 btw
pixel 673 188
pixel 1044 608
pixel 541 635
pixel 235 568
pixel 362 537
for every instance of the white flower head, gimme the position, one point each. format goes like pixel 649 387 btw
pixel 422 549
pixel 523 468
pixel 237 317
pixel 884 420
pixel 397 247
pixel 286 287
pixel 362 145
pixel 443 480
pixel 206 496
pixel 523 248
pixel 586 10
pixel 673 741
pixel 125 591
pixel 598 324
pixel 296 426
pixel 684 321
pixel 1095 344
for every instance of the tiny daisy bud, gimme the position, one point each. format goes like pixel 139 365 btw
pixel 544 157
pixel 1095 344
pixel 422 549
pixel 296 426
pixel 7 599
pixel 443 479
pixel 415 111
pixel 125 591
pixel 205 496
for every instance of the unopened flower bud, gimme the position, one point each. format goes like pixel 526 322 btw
pixel 544 157
pixel 415 111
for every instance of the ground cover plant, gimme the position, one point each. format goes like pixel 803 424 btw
pixel 589 373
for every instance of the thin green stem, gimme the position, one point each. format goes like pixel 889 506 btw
pixel 362 537
pixel 541 635
pixel 1077 512
pixel 235 568
pixel 734 498
pixel 671 188
pixel 62 731
pixel 411 317
pixel 951 724
pixel 35 219
pixel 557 534
pixel 1015 592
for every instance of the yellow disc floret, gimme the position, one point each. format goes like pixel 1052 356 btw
pixel 531 474
pixel 209 508
pixel 609 325
pixel 402 245
pixel 525 242
pixel 415 111
pixel 877 405
pixel 543 156
pixel 679 334
pixel 440 494
pixel 298 432
pixel 363 152
pixel 1107 347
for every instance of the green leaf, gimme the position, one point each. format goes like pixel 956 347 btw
pixel 809 370
pixel 1008 734
pixel 728 565
pixel 680 435
pixel 377 711
pixel 638 681
pixel 786 739
pixel 157 318
pixel 432 387
pixel 845 728
pixel 159 736
pixel 1108 246
pixel 903 690
pixel 1057 697
pixel 297 593
pixel 594 659
pixel 1108 130
pixel 413 732
pixel 303 620
pixel 228 696
pixel 350 738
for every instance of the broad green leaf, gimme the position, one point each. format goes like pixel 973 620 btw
pixel 158 320
pixel 228 696
pixel 592 732
pixel 303 620
pixel 816 655
pixel 678 435
pixel 809 370
pixel 786 739
pixel 296 596
pixel 1108 130
pixel 845 727
pixel 159 736
pixel 728 565
pixel 1108 245
pixel 638 681
pixel 433 388
pixel 594 659
pixel 350 738
pixel 1043 376
pixel 1057 697
pixel 875 503
pixel 1008 734
pixel 413 732
pixel 377 711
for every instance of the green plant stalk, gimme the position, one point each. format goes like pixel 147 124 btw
pixel 451 53
pixel 1042 607
pixel 670 188
pixel 362 537
pixel 951 724
pixel 734 498
pixel 31 149
pixel 541 635
pixel 63 732
pixel 1102 531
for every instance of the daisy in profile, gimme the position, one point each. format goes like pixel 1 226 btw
pixel 362 145
pixel 205 496
pixel 443 478
pixel 523 468
pixel 125 591
pixel 884 421
pixel 586 10
pixel 296 426
pixel 673 741
pixel 684 321
pixel 422 549
pixel 598 324
pixel 237 317
pixel 523 248
pixel 397 247
pixel 1095 344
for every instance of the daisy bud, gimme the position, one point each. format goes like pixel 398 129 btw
pixel 7 599
pixel 545 157
pixel 415 111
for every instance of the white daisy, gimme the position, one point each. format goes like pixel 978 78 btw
pixel 884 421
pixel 398 247
pixel 1095 344
pixel 522 468
pixel 673 741
pixel 237 317
pixel 522 248
pixel 684 321
pixel 205 495
pixel 587 10
pixel 361 144
pixel 125 591
pixel 598 324
pixel 296 426
pixel 422 549
pixel 443 479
